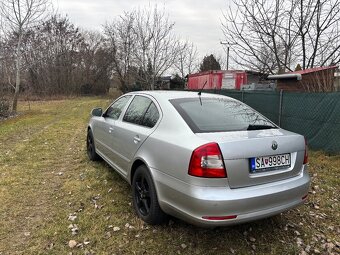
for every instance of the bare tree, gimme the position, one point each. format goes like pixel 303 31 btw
pixel 156 46
pixel 7 63
pixel 187 60
pixel 19 16
pixel 276 35
pixel 57 58
pixel 62 59
pixel 221 59
pixel 319 35
pixel 319 81
pixel 142 46
pixel 120 40
pixel 53 56
pixel 95 69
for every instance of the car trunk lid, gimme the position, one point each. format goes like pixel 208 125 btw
pixel 238 149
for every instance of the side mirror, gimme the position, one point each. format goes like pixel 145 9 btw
pixel 97 112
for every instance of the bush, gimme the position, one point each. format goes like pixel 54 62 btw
pixel 4 108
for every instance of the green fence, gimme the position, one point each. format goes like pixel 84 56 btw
pixel 314 115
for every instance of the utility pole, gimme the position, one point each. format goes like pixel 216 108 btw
pixel 228 46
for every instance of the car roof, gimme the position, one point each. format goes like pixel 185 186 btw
pixel 173 94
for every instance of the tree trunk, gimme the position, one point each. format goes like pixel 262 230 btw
pixel 152 83
pixel 17 75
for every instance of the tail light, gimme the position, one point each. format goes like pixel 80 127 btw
pixel 305 158
pixel 207 161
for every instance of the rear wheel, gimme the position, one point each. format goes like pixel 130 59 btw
pixel 91 150
pixel 145 199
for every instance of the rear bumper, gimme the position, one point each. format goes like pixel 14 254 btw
pixel 191 203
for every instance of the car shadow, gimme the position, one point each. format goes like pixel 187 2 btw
pixel 263 234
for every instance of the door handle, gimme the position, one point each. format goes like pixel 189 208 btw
pixel 136 139
pixel 111 129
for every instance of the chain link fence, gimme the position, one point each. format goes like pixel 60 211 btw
pixel 314 115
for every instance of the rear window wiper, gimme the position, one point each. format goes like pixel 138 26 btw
pixel 259 127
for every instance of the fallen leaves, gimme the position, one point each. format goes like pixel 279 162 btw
pixel 127 225
pixel 94 201
pixel 72 217
pixel 72 243
pixel 115 229
pixel 297 233
pixel 84 187
pixel 183 246
pixel 252 239
pixel 74 229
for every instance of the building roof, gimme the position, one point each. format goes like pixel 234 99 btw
pixel 312 70
pixel 205 72
pixel 285 76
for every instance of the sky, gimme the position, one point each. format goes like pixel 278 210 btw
pixel 198 21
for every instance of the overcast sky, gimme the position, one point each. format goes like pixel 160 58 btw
pixel 195 20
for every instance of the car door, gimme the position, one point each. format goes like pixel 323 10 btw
pixel 105 126
pixel 138 122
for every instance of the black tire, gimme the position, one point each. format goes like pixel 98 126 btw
pixel 145 199
pixel 90 147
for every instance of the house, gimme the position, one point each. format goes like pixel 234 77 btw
pixel 163 82
pixel 318 79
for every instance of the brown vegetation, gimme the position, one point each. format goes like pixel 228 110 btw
pixel 55 201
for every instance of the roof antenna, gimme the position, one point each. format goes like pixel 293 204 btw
pixel 200 92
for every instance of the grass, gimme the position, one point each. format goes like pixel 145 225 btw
pixel 45 177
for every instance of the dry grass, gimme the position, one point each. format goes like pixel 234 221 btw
pixel 45 176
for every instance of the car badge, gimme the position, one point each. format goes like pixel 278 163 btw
pixel 274 145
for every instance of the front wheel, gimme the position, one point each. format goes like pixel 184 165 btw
pixel 91 149
pixel 145 199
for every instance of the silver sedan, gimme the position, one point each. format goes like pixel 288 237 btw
pixel 207 159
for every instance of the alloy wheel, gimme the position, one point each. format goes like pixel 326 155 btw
pixel 142 191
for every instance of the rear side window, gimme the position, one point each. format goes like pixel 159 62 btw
pixel 142 111
pixel 116 108
pixel 151 116
pixel 219 115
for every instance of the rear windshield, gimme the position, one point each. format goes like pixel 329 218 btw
pixel 219 115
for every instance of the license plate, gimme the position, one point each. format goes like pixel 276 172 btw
pixel 269 163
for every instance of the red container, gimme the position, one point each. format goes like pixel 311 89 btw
pixel 217 80
pixel 240 79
